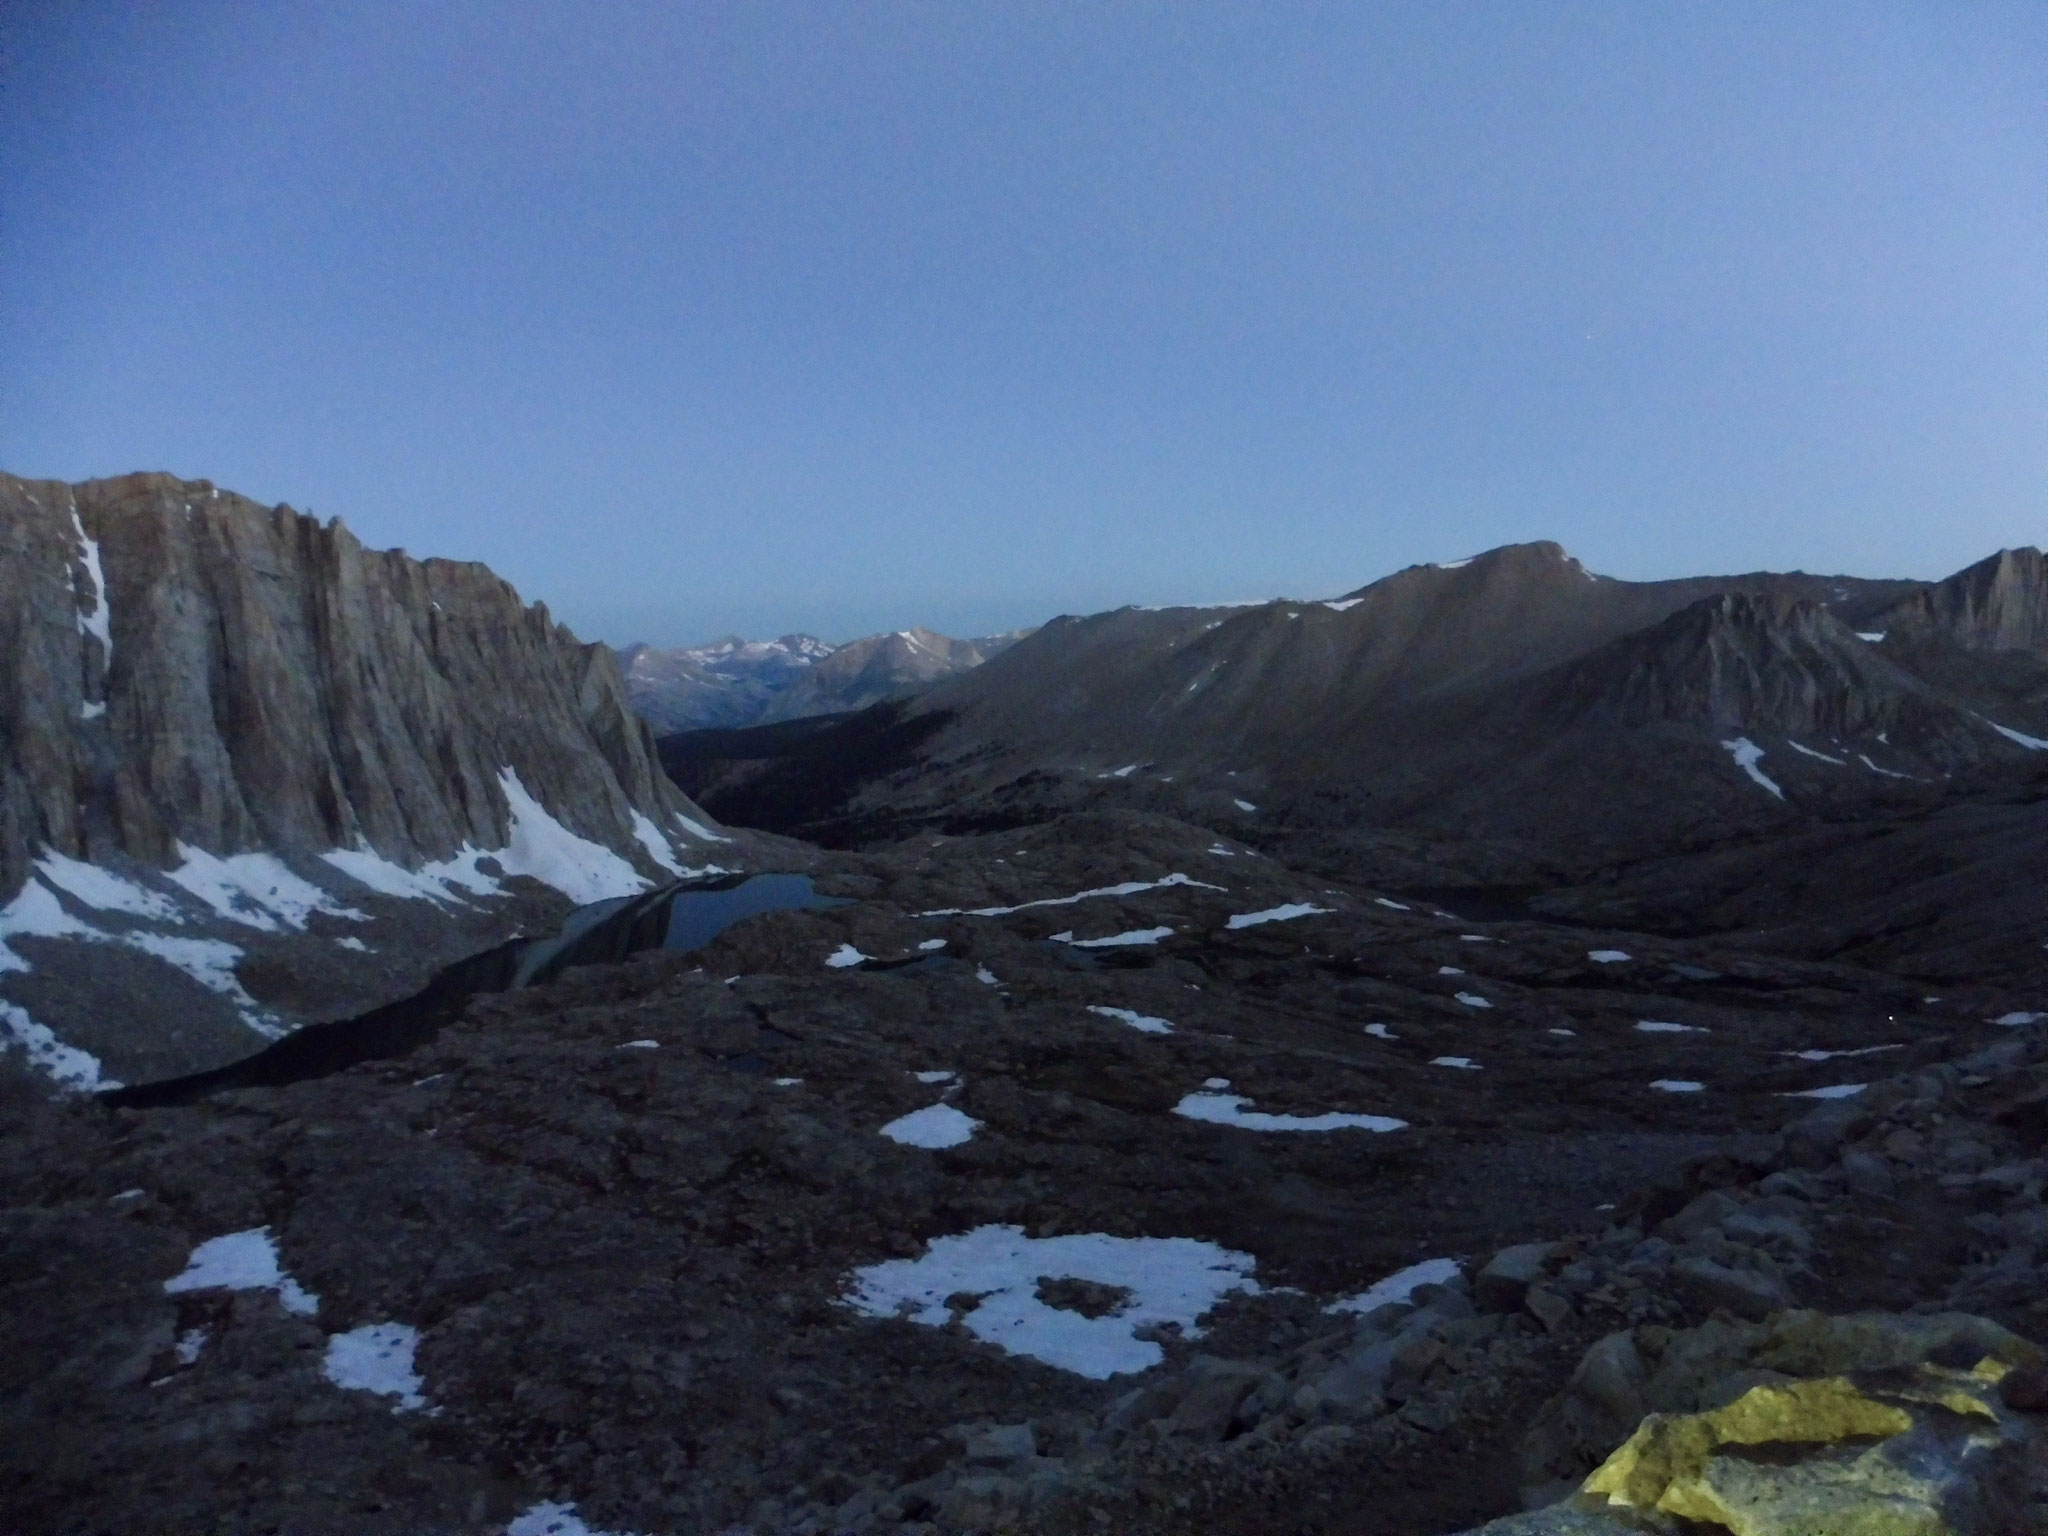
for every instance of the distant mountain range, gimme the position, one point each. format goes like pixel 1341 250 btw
pixel 1510 721
pixel 733 682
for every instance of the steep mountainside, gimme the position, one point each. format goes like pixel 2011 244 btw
pixel 1509 722
pixel 232 735
pixel 733 683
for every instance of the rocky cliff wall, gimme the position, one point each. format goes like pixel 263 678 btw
pixel 193 668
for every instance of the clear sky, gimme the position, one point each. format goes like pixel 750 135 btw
pixel 695 317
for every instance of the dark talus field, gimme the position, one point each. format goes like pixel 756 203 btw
pixel 628 1213
pixel 1502 1049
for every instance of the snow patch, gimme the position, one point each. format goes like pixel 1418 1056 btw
pixel 99 622
pixel 542 848
pixel 191 1344
pixel 1127 888
pixel 844 956
pixel 1473 1000
pixel 1664 1027
pixel 1677 1085
pixel 66 1064
pixel 1836 1091
pixel 1888 773
pixel 430 882
pixel 985 976
pixel 936 1075
pixel 1132 1017
pixel 1228 1109
pixel 552 1519
pixel 1462 1063
pixel 1449 970
pixel 1169 1280
pixel 210 962
pixel 1839 762
pixel 937 1125
pixel 1747 755
pixel 1342 603
pixel 1244 805
pixel 1396 905
pixel 1399 1286
pixel 350 941
pixel 1114 940
pixel 638 1045
pixel 932 944
pixel 254 889
pixel 657 846
pixel 1817 1055
pixel 242 1261
pixel 377 1357
pixel 698 830
pixel 2031 743
pixel 1280 914
pixel 2018 1018
pixel 36 913
pixel 1608 956
pixel 1381 1032
pixel 1874 636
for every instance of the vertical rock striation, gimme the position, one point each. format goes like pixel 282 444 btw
pixel 189 667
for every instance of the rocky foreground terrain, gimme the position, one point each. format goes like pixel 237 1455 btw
pixel 1105 1175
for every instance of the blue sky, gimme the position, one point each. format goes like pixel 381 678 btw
pixel 691 318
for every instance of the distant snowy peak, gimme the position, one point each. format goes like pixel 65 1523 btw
pixel 790 650
pixel 733 682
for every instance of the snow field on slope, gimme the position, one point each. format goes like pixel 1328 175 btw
pixel 36 913
pixel 254 889
pixel 1168 1280
pixel 67 1064
pixel 99 623
pixel 1747 755
pixel 103 890
pixel 541 847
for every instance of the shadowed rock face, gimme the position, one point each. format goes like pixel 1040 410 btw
pixel 191 667
pixel 1999 604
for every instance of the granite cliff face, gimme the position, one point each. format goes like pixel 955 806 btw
pixel 252 772
pixel 196 669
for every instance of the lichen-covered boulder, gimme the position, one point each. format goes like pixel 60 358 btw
pixel 1869 1424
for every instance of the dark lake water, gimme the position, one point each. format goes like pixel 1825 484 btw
pixel 678 917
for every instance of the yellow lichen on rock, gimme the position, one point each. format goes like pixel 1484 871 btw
pixel 1665 1459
